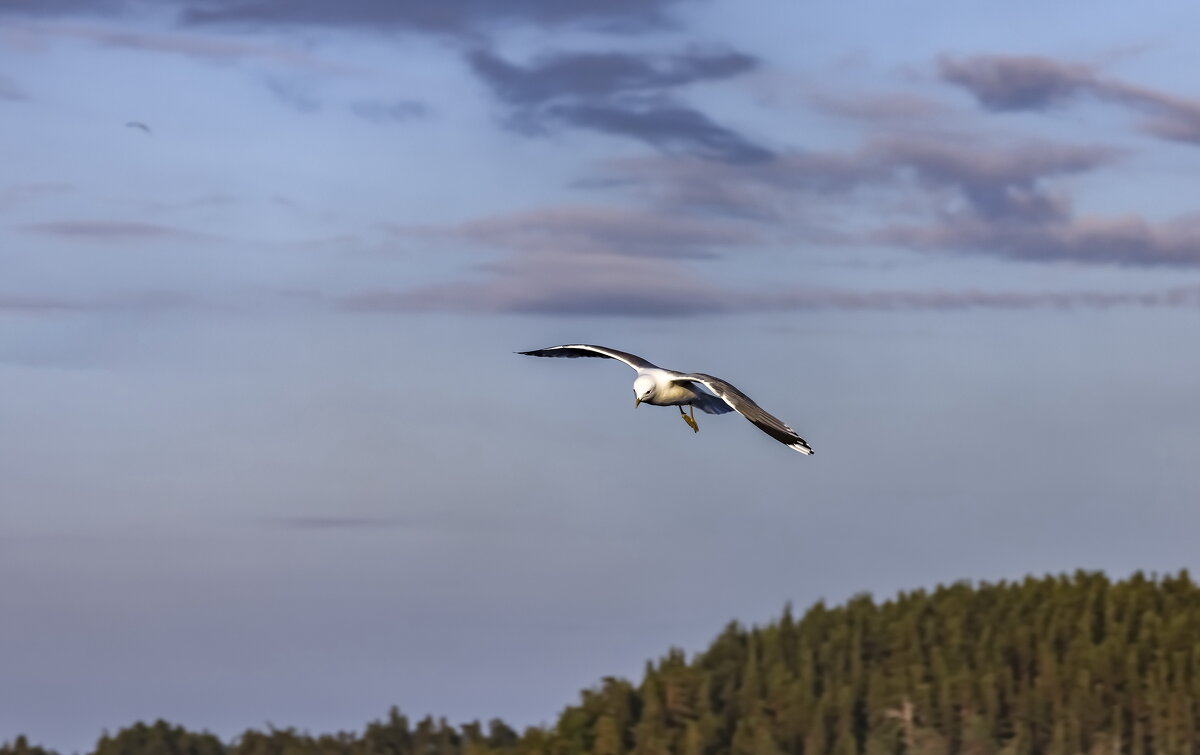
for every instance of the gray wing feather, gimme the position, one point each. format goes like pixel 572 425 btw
pixel 573 350
pixel 745 406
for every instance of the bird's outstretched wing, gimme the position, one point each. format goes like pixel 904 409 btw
pixel 138 125
pixel 746 407
pixel 574 350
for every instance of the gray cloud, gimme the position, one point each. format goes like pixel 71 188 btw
pixel 801 299
pixel 996 183
pixel 966 174
pixel 587 75
pixel 129 301
pixel 547 284
pixel 621 94
pixel 295 93
pixel 444 16
pixel 18 194
pixel 1033 83
pixel 341 522
pixel 1125 240
pixel 617 231
pixel 951 194
pixel 683 295
pixel 1018 83
pixel 670 128
pixel 580 260
pixel 108 230
pixel 877 107
pixel 945 192
pixel 217 49
pixel 63 7
pixel 11 91
pixel 396 111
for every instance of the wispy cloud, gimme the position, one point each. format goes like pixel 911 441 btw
pixel 580 284
pixel 602 74
pixel 644 289
pixel 331 522
pixel 109 230
pixel 1002 83
pixel 393 111
pixel 617 231
pixel 147 301
pixel 18 194
pixel 64 7
pixel 1124 240
pixel 192 44
pixel 298 94
pixel 458 17
pixel 11 91
pixel 877 107
pixel 622 94
pixel 953 194
pixel 916 174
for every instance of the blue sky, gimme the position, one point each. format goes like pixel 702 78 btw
pixel 267 453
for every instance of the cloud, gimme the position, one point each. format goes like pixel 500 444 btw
pixel 671 128
pixel 951 193
pixel 948 194
pixel 1005 83
pixel 955 193
pixel 1003 182
pixel 63 7
pixel 209 48
pixel 1018 83
pixel 927 174
pixel 18 194
pixel 295 93
pixel 586 75
pixel 577 284
pixel 149 301
pixel 303 522
pixel 621 94
pixel 877 107
pixel 108 230
pixel 395 111
pixel 1124 240
pixel 443 16
pixel 639 289
pixel 805 299
pixel 11 91
pixel 617 231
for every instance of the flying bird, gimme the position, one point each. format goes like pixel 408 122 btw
pixel 138 124
pixel 659 387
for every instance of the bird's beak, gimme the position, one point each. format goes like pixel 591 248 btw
pixel 636 402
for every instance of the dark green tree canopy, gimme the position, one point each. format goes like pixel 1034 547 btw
pixel 1064 665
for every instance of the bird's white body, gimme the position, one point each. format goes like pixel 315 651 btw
pixel 655 387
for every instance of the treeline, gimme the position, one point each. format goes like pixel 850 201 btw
pixel 1069 665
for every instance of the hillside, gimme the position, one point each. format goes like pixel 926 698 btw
pixel 1054 666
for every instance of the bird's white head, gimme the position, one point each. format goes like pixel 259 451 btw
pixel 643 387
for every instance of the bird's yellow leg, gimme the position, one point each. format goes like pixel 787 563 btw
pixel 690 419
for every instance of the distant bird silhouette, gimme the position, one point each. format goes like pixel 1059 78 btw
pixel 138 124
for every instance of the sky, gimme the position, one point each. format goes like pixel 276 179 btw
pixel 269 458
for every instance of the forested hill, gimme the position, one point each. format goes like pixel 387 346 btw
pixel 1060 665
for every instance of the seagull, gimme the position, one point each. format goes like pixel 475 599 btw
pixel 138 124
pixel 660 387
